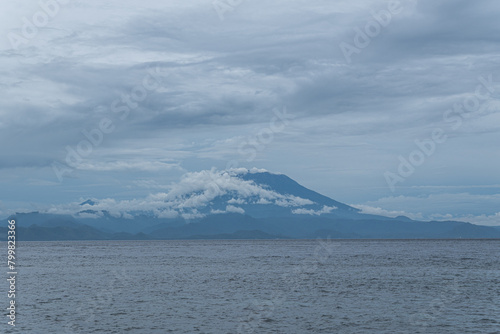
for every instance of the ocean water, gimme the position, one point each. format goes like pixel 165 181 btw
pixel 272 286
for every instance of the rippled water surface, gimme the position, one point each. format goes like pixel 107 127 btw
pixel 272 286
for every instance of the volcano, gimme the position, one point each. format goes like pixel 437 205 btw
pixel 237 203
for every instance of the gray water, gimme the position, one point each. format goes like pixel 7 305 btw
pixel 272 286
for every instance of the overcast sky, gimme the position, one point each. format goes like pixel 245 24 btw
pixel 392 107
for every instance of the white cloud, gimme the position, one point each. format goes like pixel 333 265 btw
pixel 190 197
pixel 425 206
pixel 199 188
pixel 291 200
pixel 435 207
pixel 234 209
pixel 229 209
pixel 166 213
pixel 487 220
pixel 366 209
pixel 325 209
pixel 263 201
pixel 127 216
pixel 236 201
pixel 192 215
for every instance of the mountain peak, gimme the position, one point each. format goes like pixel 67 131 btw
pixel 255 192
pixel 88 202
pixel 218 203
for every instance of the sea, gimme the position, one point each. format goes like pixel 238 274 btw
pixel 256 286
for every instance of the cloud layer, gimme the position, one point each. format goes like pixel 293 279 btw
pixel 183 91
pixel 194 196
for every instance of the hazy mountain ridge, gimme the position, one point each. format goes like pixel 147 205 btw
pixel 231 204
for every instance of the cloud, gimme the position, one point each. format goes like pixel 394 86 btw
pixel 234 209
pixel 192 197
pixel 236 201
pixel 219 82
pixel 229 209
pixel 199 188
pixel 366 209
pixel 441 203
pixel 325 209
pixel 478 209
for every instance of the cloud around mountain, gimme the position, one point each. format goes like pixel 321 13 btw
pixel 234 203
pixel 196 195
pixel 260 194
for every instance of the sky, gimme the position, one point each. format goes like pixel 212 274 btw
pixel 389 106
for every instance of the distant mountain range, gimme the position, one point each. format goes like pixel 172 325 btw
pixel 233 204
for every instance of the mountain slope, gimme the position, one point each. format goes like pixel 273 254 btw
pixel 285 185
pixel 233 204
